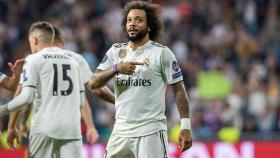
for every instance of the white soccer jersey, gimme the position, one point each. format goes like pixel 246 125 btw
pixel 84 67
pixel 85 72
pixel 57 79
pixel 140 98
pixel 2 77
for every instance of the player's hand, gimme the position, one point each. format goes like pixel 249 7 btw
pixel 16 68
pixel 12 134
pixel 92 135
pixel 185 139
pixel 128 68
pixel 23 130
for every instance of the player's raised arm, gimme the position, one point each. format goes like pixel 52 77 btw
pixel 28 88
pixel 101 78
pixel 25 98
pixel 11 83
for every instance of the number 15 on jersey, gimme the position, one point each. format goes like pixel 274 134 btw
pixel 65 78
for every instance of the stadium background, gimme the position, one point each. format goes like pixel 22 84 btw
pixel 228 50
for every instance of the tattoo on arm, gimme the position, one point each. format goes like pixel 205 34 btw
pixel 101 78
pixel 182 99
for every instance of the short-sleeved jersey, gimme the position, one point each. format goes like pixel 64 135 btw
pixel 140 98
pixel 2 77
pixel 85 72
pixel 57 80
pixel 84 67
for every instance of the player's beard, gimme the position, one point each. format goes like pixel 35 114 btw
pixel 139 36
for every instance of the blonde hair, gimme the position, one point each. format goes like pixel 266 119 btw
pixel 43 30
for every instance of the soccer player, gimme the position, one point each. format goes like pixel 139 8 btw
pixel 105 93
pixel 142 69
pixel 53 80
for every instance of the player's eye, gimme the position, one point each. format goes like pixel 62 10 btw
pixel 139 20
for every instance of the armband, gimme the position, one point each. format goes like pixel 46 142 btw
pixel 115 69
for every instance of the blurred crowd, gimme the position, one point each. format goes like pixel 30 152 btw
pixel 237 40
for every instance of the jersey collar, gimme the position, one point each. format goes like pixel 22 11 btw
pixel 141 47
pixel 50 49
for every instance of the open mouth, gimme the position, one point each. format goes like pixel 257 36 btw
pixel 132 31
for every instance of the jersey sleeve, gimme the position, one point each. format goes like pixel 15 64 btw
pixel 107 61
pixel 21 78
pixel 81 82
pixel 81 86
pixel 85 70
pixel 23 70
pixel 170 68
pixel 30 74
pixel 22 74
pixel 2 77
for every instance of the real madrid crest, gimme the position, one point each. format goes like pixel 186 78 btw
pixel 146 62
pixel 122 53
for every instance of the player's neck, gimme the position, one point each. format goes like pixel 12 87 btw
pixel 45 45
pixel 134 45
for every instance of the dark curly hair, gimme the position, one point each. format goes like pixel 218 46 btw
pixel 153 17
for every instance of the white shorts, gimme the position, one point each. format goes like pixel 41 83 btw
pixel 41 146
pixel 150 146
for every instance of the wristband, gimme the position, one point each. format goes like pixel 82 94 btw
pixel 185 123
pixel 115 69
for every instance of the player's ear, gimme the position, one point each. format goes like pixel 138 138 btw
pixel 149 29
pixel 33 40
pixel 36 40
